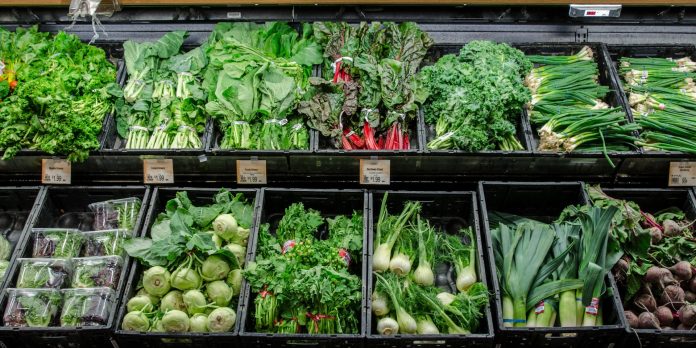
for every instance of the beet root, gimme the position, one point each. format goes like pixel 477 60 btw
pixel 687 315
pixel 648 320
pixel 681 270
pixel 672 296
pixel 689 296
pixel 659 276
pixel 664 316
pixel 672 229
pixel 632 319
pixel 655 235
pixel 645 303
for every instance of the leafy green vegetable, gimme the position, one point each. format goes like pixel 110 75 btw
pixel 44 273
pixel 93 272
pixel 474 99
pixel 62 91
pixel 86 307
pixel 304 283
pixel 370 84
pixel 257 75
pixel 184 227
pixel 56 242
pixel 32 307
pixel 162 103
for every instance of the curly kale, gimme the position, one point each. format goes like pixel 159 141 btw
pixel 474 99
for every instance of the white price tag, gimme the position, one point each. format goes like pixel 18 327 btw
pixel 682 174
pixel 375 172
pixel 158 171
pixel 251 172
pixel 56 172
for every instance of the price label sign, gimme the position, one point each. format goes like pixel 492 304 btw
pixel 682 174
pixel 158 171
pixel 56 172
pixel 375 172
pixel 251 172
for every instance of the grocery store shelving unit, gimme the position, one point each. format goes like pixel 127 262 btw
pixel 450 25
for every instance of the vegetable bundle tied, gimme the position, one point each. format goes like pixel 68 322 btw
pixel 662 95
pixel 162 103
pixel 256 77
pixel 568 106
pixel 560 268
pixel 367 100
pixel 414 298
pixel 473 100
pixel 305 284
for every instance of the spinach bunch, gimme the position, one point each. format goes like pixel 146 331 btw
pixel 256 77
pixel 54 93
pixel 474 99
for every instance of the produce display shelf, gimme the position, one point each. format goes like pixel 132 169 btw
pixel 54 203
pixel 446 210
pixel 548 200
pixel 160 196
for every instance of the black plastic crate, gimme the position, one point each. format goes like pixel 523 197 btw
pixel 652 200
pixel 114 145
pixel 160 196
pixel 271 209
pixel 16 210
pixel 607 77
pixel 616 52
pixel 428 131
pixel 54 203
pixel 446 210
pixel 516 198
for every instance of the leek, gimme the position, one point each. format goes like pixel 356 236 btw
pixel 596 258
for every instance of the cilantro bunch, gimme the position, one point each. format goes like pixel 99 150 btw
pixel 303 283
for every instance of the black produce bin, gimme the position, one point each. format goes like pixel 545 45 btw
pixel 16 210
pixel 56 202
pixel 114 52
pixel 652 163
pixel 114 145
pixel 475 163
pixel 157 205
pixel 521 198
pixel 271 209
pixel 448 211
pixel 652 200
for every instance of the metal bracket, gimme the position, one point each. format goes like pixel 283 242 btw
pixel 581 35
